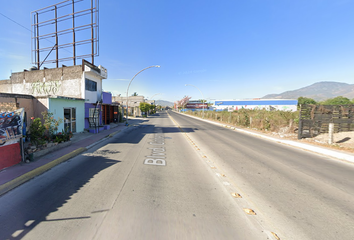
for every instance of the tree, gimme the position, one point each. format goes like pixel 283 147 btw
pixel 135 94
pixel 183 102
pixel 305 100
pixel 337 101
pixel 144 107
pixel 152 107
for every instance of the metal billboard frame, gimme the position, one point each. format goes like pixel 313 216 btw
pixel 58 44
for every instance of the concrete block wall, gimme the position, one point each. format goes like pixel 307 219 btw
pixel 7 107
pixel 33 107
pixel 5 86
pixel 65 81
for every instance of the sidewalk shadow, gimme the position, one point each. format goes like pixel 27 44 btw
pixel 50 198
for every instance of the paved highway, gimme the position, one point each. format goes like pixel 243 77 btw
pixel 174 177
pixel 300 194
pixel 148 183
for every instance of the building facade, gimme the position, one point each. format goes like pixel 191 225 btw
pixel 267 104
pixel 133 104
pixel 67 92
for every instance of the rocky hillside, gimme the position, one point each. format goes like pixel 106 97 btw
pixel 318 91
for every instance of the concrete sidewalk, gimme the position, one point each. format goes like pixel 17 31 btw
pixel 18 174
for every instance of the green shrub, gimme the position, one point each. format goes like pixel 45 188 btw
pixel 37 132
pixel 50 124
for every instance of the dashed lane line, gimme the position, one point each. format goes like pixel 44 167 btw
pixel 226 181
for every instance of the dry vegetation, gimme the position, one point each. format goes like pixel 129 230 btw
pixel 278 124
pixel 263 120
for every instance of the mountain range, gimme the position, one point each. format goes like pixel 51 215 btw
pixel 164 103
pixel 319 91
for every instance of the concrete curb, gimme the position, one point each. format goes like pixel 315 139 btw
pixel 38 171
pixel 106 137
pixel 314 149
pixel 4 188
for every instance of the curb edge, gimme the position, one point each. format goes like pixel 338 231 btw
pixel 38 171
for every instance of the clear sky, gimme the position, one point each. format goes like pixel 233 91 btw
pixel 229 49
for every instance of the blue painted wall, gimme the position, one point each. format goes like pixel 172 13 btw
pixel 87 114
pixel 57 105
pixel 107 97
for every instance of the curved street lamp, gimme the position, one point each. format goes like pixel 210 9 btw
pixel 152 98
pixel 131 82
pixel 201 93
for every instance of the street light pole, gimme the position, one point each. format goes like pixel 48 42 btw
pixel 201 93
pixel 131 82
pixel 152 98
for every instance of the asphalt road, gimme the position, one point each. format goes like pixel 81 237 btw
pixel 151 182
pixel 300 195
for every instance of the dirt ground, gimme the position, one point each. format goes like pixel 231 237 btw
pixel 343 141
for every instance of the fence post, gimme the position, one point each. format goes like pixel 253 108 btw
pixel 299 131
pixel 330 133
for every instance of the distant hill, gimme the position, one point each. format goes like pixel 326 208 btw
pixel 318 91
pixel 164 103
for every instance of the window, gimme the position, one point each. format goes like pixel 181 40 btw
pixel 90 85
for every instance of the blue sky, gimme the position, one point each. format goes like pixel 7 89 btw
pixel 228 49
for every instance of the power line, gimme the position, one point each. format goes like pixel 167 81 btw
pixel 16 22
pixel 27 29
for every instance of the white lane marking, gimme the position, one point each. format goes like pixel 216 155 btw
pixel 158 162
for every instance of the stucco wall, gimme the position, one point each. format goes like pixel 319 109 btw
pixel 133 101
pixel 107 97
pixel 11 102
pixel 39 106
pixel 57 105
pixel 87 114
pixel 10 155
pixel 93 96
pixel 5 86
pixel 65 81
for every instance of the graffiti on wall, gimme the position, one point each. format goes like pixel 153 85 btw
pixel 11 124
pixel 47 88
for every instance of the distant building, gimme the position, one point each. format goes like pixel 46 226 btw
pixel 133 103
pixel 268 104
pixel 152 102
pixel 195 105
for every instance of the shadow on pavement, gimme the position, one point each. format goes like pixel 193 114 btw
pixel 14 223
pixel 137 133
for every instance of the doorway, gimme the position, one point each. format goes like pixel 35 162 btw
pixel 70 119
